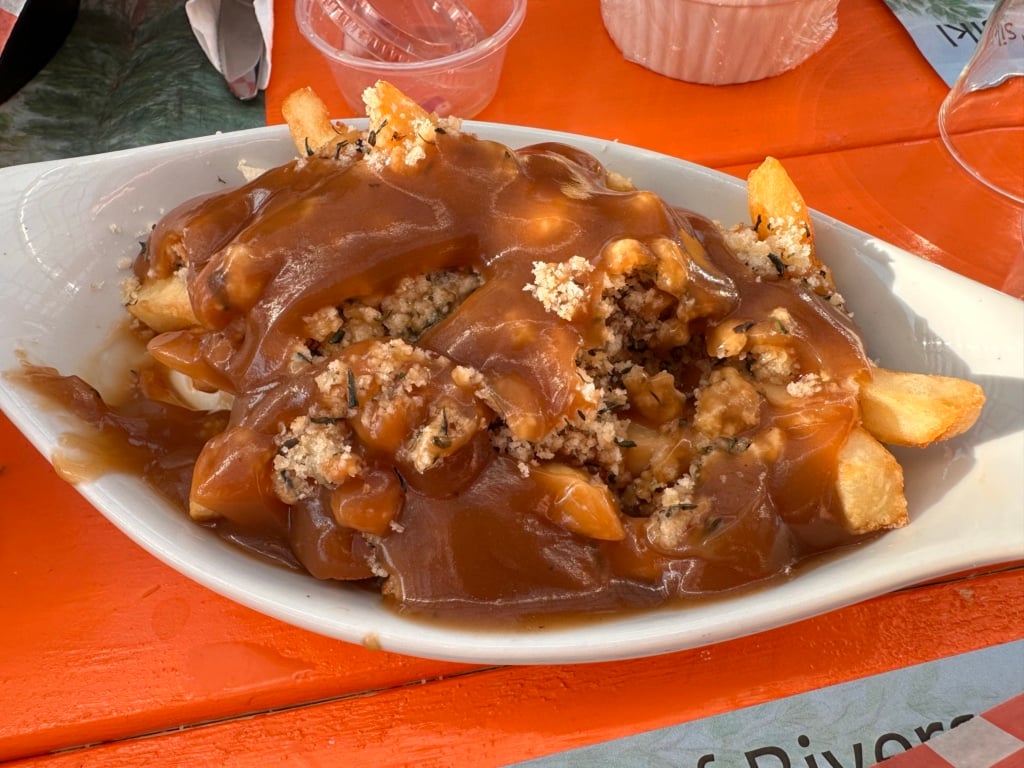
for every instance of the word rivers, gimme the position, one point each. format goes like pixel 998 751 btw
pixel 885 746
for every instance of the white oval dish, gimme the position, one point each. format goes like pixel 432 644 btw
pixel 66 225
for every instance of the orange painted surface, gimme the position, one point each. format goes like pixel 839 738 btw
pixel 499 716
pixel 102 643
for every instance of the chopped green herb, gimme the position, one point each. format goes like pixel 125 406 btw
pixel 442 440
pixel 371 137
pixel 671 510
pixel 736 445
pixel 286 479
pixel 353 395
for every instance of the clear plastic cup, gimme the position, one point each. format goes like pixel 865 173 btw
pixel 981 120
pixel 460 80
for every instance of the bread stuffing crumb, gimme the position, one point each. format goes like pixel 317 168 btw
pixel 313 453
pixel 558 285
pixel 786 253
pixel 401 131
pixel 805 386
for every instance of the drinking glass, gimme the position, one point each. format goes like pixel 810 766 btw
pixel 981 120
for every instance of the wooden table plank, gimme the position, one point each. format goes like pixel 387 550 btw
pixel 495 717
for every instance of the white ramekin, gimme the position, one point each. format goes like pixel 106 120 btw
pixel 719 41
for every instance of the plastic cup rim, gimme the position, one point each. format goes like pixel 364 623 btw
pixel 496 41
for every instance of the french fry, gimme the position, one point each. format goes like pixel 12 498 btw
pixel 908 409
pixel 309 122
pixel 775 203
pixel 386 105
pixel 771 193
pixel 400 128
pixel 918 409
pixel 577 504
pixel 869 485
pixel 162 304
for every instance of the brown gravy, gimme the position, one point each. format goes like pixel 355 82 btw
pixel 472 534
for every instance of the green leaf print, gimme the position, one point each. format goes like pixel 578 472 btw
pixel 130 73
pixel 946 11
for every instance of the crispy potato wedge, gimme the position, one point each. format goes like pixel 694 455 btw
pixel 400 128
pixel 775 203
pixel 918 409
pixel 163 304
pixel 898 408
pixel 771 193
pixel 309 122
pixel 579 505
pixel 869 484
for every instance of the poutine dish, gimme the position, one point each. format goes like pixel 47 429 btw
pixel 494 381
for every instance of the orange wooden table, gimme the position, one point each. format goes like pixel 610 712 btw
pixel 103 645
